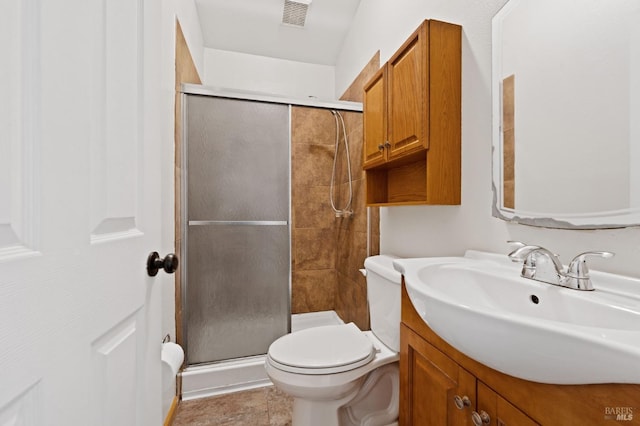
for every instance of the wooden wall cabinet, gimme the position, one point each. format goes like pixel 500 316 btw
pixel 434 376
pixel 412 121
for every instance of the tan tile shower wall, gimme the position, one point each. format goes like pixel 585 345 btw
pixel 313 232
pixel 327 252
pixel 351 249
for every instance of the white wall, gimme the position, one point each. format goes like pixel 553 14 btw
pixel 185 12
pixel 241 71
pixel 449 230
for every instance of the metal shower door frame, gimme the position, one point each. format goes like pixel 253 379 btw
pixel 190 89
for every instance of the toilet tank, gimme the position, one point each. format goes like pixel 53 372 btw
pixel 383 294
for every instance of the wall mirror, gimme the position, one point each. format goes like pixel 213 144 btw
pixel 566 113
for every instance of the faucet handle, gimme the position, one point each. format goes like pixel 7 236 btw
pixel 516 244
pixel 520 251
pixel 578 266
pixel 578 271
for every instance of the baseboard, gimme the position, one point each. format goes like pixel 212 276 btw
pixel 224 377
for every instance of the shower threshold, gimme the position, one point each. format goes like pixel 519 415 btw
pixel 240 374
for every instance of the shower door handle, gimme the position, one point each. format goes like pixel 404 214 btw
pixel 154 263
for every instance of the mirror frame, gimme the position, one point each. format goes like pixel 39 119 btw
pixel 599 220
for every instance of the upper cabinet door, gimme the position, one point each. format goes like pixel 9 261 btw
pixel 407 96
pixel 374 120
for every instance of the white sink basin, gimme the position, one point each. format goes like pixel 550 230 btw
pixel 481 306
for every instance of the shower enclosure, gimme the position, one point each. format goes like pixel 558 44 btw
pixel 237 274
pixel 236 219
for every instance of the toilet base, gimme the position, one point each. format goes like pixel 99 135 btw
pixel 321 413
pixel 375 403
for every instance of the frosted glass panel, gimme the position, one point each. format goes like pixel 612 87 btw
pixel 238 290
pixel 238 159
pixel 237 277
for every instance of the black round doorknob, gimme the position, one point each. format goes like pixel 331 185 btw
pixel 154 263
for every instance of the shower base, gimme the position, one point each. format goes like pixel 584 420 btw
pixel 243 373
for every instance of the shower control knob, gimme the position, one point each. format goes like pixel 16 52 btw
pixel 154 263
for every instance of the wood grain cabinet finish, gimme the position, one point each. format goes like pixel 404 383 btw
pixel 433 374
pixel 430 382
pixel 412 121
pixel 437 391
pixel 375 120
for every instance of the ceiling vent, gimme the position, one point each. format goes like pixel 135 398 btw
pixel 295 12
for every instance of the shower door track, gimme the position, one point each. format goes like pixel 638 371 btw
pixel 239 222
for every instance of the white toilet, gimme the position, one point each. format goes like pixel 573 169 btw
pixel 339 375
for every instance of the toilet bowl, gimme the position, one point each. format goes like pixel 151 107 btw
pixel 339 375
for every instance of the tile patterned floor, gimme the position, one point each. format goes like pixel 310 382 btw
pixel 258 407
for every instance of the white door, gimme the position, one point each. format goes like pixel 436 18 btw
pixel 79 212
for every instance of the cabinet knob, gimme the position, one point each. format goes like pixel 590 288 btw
pixel 387 144
pixel 380 147
pixel 461 402
pixel 480 419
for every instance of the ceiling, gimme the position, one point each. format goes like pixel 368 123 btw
pixel 255 27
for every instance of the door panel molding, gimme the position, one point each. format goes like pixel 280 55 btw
pixel 115 362
pixel 117 131
pixel 25 409
pixel 20 128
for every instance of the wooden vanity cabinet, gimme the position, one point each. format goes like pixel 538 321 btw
pixel 431 382
pixel 433 373
pixel 412 121
pixel 499 409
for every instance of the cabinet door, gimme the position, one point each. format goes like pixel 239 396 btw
pixel 430 382
pixel 374 120
pixel 499 410
pixel 408 96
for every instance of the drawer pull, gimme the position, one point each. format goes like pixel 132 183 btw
pixel 480 419
pixel 461 402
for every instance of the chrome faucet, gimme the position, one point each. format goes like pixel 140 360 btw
pixel 542 265
pixel 577 275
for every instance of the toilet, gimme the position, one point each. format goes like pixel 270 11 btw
pixel 339 375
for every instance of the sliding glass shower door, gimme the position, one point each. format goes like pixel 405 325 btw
pixel 236 225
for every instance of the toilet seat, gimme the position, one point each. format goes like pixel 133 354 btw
pixel 322 350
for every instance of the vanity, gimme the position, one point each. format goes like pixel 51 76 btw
pixel 486 341
pixel 522 335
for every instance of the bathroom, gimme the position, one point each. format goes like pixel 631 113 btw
pixel 415 231
pixel 409 231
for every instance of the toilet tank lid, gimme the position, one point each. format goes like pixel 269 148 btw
pixel 382 265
